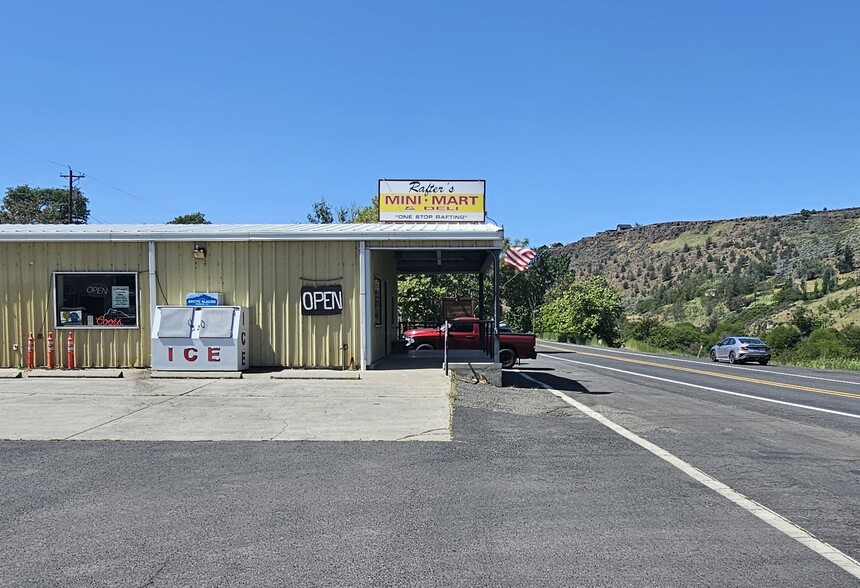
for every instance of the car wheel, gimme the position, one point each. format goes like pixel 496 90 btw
pixel 713 355
pixel 732 358
pixel 507 357
pixel 424 347
pixel 764 361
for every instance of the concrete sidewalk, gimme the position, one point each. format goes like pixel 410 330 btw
pixel 286 405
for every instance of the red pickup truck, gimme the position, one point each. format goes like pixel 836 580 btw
pixel 465 333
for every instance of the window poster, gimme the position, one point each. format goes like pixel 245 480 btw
pixel 120 297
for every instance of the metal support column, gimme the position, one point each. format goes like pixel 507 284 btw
pixel 152 284
pixel 363 286
pixel 482 313
pixel 497 307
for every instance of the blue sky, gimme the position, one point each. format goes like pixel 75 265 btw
pixel 579 116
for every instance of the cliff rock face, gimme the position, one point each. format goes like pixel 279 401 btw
pixel 646 260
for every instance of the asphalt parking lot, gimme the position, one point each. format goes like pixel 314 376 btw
pixel 530 493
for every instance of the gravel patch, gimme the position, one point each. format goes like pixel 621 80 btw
pixel 513 397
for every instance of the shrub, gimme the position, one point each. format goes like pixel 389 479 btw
pixel 822 343
pixel 850 337
pixel 782 338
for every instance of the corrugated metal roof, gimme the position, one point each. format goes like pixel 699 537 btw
pixel 255 232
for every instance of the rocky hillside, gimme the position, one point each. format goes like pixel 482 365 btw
pixel 702 271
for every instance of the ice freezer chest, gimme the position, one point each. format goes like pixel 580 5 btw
pixel 208 338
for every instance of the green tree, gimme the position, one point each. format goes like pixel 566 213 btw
pixel 368 214
pixel 419 296
pixel 684 337
pixel 809 268
pixel 844 259
pixel 850 336
pixel 195 218
pixel 829 281
pixel 782 338
pixel 27 206
pixel 523 292
pixel 640 330
pixel 823 343
pixel 788 292
pixel 324 214
pixel 419 300
pixel 582 309
pixel 803 321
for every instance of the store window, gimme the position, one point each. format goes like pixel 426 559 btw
pixel 96 300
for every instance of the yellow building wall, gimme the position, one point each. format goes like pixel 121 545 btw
pixel 267 278
pixel 264 276
pixel 27 303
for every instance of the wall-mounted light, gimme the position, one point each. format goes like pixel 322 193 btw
pixel 199 252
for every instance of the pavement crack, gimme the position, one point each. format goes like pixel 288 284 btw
pixel 151 580
pixel 278 434
pixel 422 433
pixel 148 406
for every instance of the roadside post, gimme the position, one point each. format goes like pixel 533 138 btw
pixel 70 351
pixel 50 350
pixel 31 352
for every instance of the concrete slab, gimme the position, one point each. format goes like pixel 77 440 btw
pixel 10 373
pixel 82 373
pixel 55 417
pixel 196 375
pixel 380 405
pixel 316 375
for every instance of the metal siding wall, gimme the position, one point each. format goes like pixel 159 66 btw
pixel 28 302
pixel 383 265
pixel 267 277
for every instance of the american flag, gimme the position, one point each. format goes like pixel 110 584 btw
pixel 519 257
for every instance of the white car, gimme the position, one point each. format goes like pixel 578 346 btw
pixel 741 350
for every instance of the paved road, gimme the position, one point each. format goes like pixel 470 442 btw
pixel 825 390
pixel 531 492
pixel 786 437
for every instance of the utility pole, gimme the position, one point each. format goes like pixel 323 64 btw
pixel 72 177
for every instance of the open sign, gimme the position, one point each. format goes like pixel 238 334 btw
pixel 321 300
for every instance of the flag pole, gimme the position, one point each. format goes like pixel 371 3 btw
pixel 512 278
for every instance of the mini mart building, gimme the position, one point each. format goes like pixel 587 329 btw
pixel 103 283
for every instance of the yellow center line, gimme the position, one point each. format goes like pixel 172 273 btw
pixel 709 373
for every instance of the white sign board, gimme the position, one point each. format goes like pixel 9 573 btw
pixel 437 201
pixel 119 296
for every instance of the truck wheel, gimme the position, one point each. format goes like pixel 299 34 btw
pixel 507 357
pixel 424 347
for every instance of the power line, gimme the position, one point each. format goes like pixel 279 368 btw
pixel 91 177
pixel 127 193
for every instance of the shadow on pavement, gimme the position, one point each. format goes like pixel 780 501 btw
pixel 551 380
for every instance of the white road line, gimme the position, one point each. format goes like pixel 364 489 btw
pixel 735 366
pixel 708 388
pixel 770 517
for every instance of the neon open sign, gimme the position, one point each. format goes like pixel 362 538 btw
pixel 321 300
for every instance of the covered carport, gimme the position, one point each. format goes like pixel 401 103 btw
pixel 476 256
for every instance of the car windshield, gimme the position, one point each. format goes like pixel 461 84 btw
pixel 751 340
